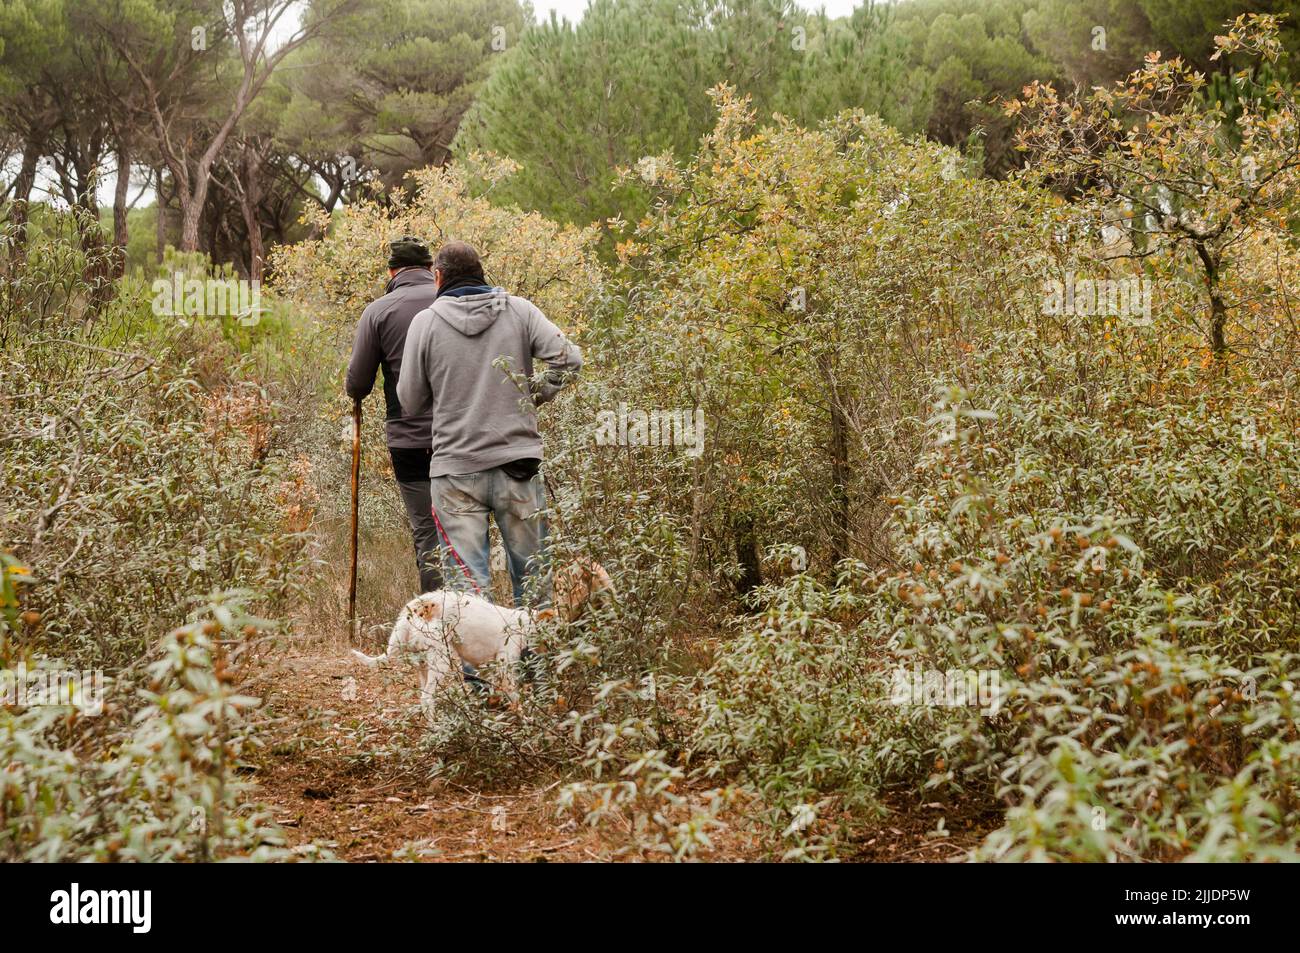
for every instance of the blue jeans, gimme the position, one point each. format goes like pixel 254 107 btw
pixel 463 503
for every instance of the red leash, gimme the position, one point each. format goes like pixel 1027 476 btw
pixel 452 549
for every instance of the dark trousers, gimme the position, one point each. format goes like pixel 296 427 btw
pixel 411 468
pixel 424 532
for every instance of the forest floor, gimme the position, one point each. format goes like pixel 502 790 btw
pixel 325 772
pixel 341 764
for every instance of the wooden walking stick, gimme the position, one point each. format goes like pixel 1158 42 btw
pixel 356 486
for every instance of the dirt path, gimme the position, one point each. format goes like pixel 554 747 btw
pixel 331 772
pixel 327 774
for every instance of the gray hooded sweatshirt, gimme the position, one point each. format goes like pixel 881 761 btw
pixel 469 359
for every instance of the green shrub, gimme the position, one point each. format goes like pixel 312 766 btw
pixel 1147 661
pixel 165 785
pixel 130 483
pixel 142 463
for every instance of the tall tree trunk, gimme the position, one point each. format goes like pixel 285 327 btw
pixel 160 226
pixel 121 231
pixel 18 214
pixel 1218 308
pixel 193 201
pixel 191 211
pixel 249 199
pixel 1218 324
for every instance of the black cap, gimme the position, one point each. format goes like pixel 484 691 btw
pixel 408 251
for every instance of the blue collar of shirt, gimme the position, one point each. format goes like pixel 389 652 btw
pixel 468 290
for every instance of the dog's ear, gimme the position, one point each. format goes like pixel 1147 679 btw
pixel 545 615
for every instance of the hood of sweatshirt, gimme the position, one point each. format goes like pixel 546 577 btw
pixel 472 314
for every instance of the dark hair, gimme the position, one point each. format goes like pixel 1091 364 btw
pixel 458 260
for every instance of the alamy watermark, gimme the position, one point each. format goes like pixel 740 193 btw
pixel 53 687
pixel 179 296
pixel 954 688
pixel 677 429
pixel 1114 297
pixel 131 908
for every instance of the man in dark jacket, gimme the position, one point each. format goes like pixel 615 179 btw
pixel 380 340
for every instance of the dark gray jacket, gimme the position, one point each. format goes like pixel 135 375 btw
pixel 380 339
pixel 470 358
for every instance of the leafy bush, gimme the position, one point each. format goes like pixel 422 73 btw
pixel 130 483
pixel 165 784
pixel 1097 514
pixel 1147 662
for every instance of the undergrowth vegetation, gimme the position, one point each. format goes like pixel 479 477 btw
pixel 151 492
pixel 918 529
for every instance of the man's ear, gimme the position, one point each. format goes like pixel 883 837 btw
pixel 437 277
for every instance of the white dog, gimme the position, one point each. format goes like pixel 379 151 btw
pixel 441 629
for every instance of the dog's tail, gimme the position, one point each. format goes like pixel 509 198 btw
pixel 371 661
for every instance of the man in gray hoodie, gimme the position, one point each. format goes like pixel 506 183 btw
pixel 469 361
pixel 380 339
